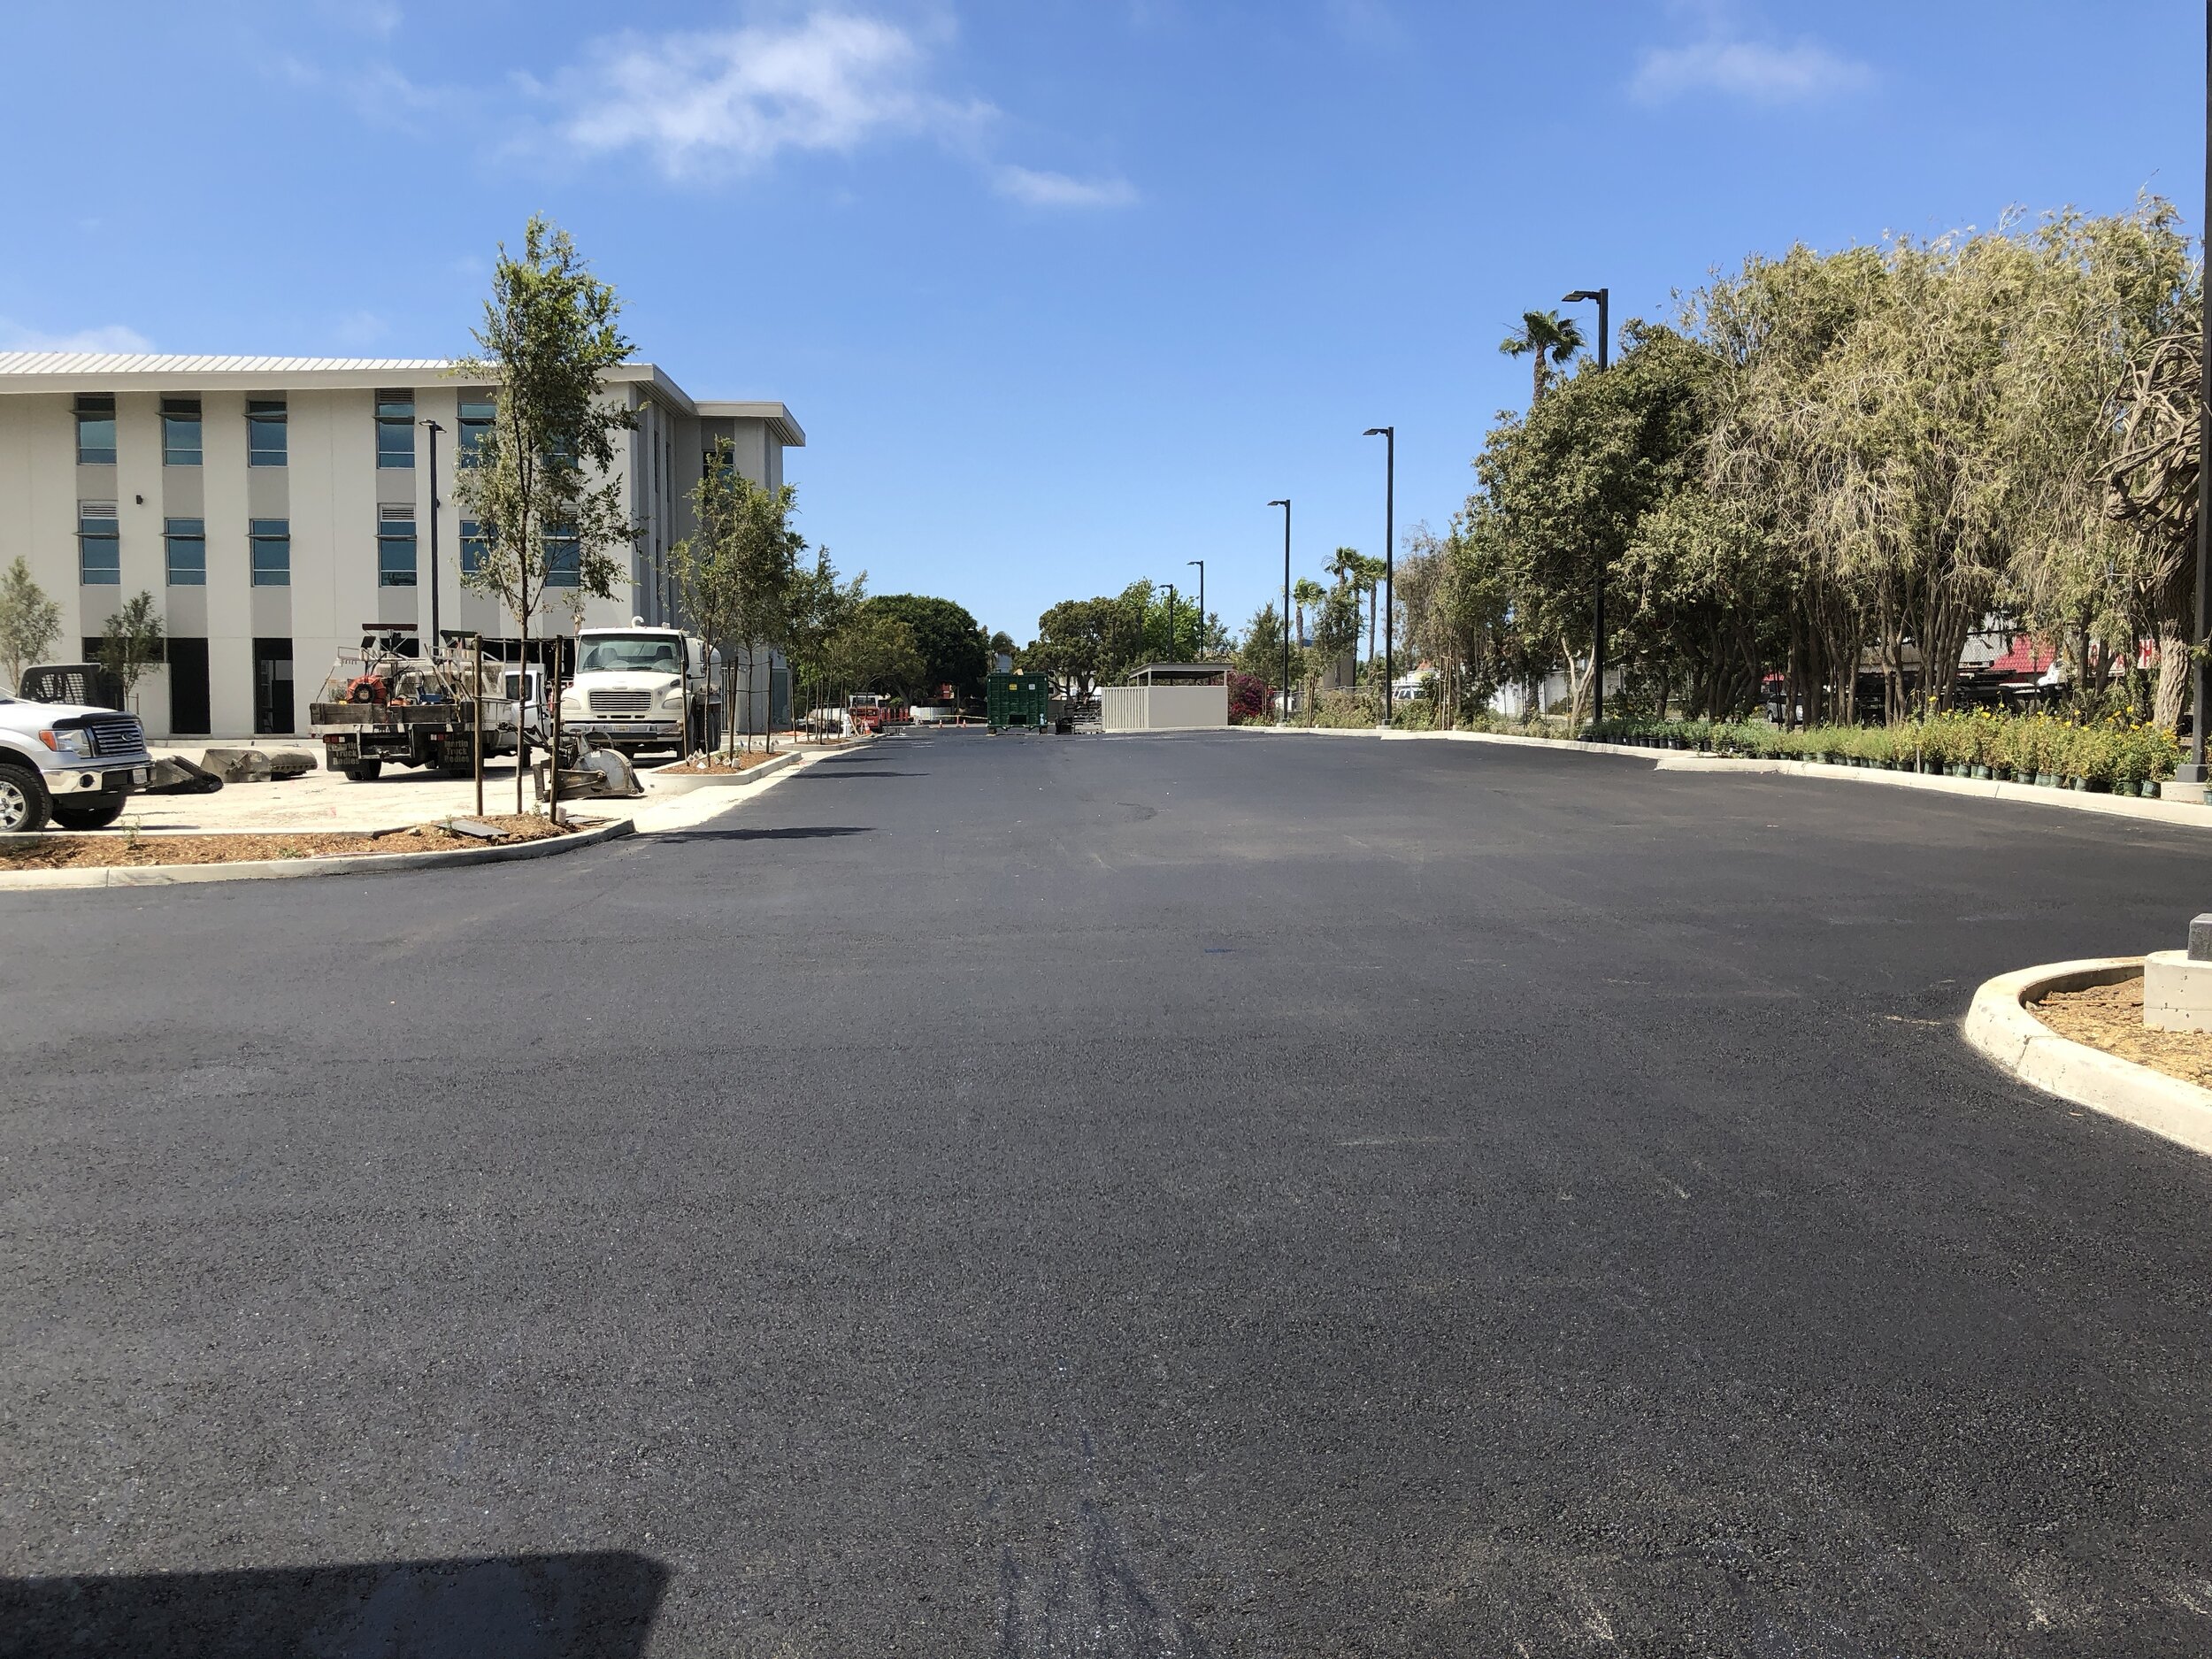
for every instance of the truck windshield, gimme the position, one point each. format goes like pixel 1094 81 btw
pixel 629 654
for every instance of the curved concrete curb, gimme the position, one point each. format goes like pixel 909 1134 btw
pixel 2000 1024
pixel 682 783
pixel 2185 814
pixel 278 869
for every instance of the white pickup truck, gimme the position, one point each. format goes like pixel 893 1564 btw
pixel 69 763
pixel 638 688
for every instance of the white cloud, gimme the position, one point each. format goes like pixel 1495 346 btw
pixel 734 99
pixel 1058 190
pixel 1805 73
pixel 107 337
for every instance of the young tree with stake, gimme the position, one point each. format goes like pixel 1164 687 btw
pixel 548 334
pixel 29 623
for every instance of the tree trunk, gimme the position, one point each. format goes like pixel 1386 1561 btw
pixel 522 711
pixel 2173 689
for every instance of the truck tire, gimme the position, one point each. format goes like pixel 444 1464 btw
pixel 24 802
pixel 364 771
pixel 96 816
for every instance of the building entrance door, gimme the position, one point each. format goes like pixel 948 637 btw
pixel 273 687
pixel 188 688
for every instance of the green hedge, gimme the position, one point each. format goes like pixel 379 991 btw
pixel 2116 753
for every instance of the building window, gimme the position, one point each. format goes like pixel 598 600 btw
pixel 265 432
pixel 394 429
pixel 475 547
pixel 476 425
pixel 563 563
pixel 186 542
pixel 271 542
pixel 179 431
pixel 396 547
pixel 99 545
pixel 95 430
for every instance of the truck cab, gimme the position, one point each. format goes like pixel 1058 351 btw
pixel 641 687
pixel 68 762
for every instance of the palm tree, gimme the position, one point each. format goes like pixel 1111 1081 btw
pixel 1307 592
pixel 1548 338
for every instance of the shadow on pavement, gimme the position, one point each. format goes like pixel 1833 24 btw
pixel 810 831
pixel 596 1606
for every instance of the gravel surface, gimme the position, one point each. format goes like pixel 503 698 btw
pixel 2110 1017
pixel 1210 1196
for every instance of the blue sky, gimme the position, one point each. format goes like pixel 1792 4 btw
pixel 1063 291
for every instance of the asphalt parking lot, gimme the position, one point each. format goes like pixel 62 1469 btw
pixel 1224 1195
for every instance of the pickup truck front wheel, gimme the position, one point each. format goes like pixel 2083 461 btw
pixel 24 802
pixel 97 816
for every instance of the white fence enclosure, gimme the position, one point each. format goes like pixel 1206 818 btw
pixel 1162 708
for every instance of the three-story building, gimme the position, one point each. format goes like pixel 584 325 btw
pixel 281 508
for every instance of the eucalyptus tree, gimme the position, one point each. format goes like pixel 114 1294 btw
pixel 542 483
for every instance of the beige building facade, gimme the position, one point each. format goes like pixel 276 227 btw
pixel 278 508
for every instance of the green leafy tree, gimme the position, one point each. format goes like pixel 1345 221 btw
pixel 29 622
pixel 1260 653
pixel 821 607
pixel 765 572
pixel 950 642
pixel 1547 338
pixel 540 485
pixel 131 643
pixel 875 650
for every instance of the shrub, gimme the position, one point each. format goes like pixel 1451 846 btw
pixel 1248 698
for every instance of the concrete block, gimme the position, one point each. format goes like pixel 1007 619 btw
pixel 237 765
pixel 2176 992
pixel 2201 938
pixel 290 763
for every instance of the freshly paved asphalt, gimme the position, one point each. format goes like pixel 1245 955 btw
pixel 1217 1195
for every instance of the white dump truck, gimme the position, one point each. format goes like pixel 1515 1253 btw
pixel 642 687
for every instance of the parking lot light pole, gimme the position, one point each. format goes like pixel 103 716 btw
pixel 1282 696
pixel 2200 677
pixel 1389 435
pixel 434 430
pixel 1202 595
pixel 1604 297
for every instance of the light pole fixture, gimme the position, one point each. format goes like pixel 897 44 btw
pixel 1201 652
pixel 434 430
pixel 1389 435
pixel 1604 297
pixel 1282 695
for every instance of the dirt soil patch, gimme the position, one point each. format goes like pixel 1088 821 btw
pixel 2110 1017
pixel 83 849
pixel 708 766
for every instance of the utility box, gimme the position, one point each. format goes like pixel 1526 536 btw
pixel 1017 702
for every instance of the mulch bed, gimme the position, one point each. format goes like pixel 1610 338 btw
pixel 93 849
pixel 743 761
pixel 2110 1017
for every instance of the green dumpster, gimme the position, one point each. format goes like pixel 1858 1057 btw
pixel 1017 702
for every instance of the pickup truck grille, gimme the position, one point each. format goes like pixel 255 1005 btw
pixel 118 734
pixel 620 702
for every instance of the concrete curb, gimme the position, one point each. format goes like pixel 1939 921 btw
pixel 281 869
pixel 2000 1024
pixel 2182 813
pixel 681 783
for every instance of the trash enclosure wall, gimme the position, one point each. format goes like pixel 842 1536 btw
pixel 1162 708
